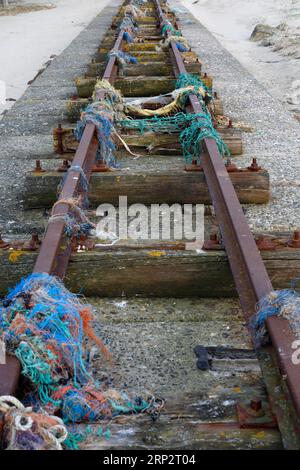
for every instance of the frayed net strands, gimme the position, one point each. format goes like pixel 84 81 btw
pixel 122 59
pixel 81 195
pixel 181 43
pixel 133 10
pixel 283 303
pixel 131 13
pixel 178 104
pixel 77 223
pixel 25 429
pixel 193 128
pixel 186 85
pixel 169 28
pixel 129 26
pixel 188 80
pixel 47 328
pixel 102 114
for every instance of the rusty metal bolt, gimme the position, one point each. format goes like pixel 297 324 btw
pixel 64 167
pixel 215 95
pixel 100 167
pixel 229 124
pixel 193 167
pixel 294 242
pixel 32 244
pixel 213 243
pixel 38 167
pixel 265 243
pixel 59 133
pixel 256 405
pixel 35 238
pixel 254 166
pixel 3 244
pixel 231 167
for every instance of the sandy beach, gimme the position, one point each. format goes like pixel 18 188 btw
pixel 276 66
pixel 29 40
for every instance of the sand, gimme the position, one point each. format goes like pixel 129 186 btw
pixel 232 22
pixel 28 40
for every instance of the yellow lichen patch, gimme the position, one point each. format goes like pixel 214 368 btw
pixel 14 255
pixel 260 435
pixel 237 389
pixel 156 253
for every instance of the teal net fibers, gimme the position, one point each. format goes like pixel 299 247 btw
pixel 284 303
pixel 192 136
pixel 97 116
pixel 122 57
pixel 165 124
pixel 107 105
pixel 169 28
pixel 192 128
pixel 47 328
pixel 82 188
pixel 187 79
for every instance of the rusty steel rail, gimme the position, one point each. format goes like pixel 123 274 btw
pixel 52 258
pixel 251 278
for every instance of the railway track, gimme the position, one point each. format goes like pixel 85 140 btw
pixel 257 407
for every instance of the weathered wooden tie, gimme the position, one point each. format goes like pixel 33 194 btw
pixel 152 272
pixel 147 186
pixel 152 142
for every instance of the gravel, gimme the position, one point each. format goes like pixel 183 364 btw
pixel 26 129
pixel 276 140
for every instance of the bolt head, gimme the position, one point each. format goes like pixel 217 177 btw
pixel 255 405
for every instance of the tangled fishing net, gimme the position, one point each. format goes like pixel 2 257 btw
pixel 192 128
pixel 49 330
pixel 168 29
pixel 105 112
pixel 283 303
pixel 122 58
pixel 108 112
pixel 107 105
pixel 25 429
pixel 129 25
pixel 195 83
pixel 75 221
pixel 186 85
pixel 172 34
pixel 181 43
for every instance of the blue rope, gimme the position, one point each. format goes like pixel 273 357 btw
pixel 181 47
pixel 284 303
pixel 127 37
pixel 104 129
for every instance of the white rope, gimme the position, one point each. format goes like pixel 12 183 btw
pixel 7 401
pixel 56 433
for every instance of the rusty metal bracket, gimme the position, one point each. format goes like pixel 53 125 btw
pixel 255 413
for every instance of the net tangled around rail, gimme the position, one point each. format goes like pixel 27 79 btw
pixel 192 128
pixel 49 330
pixel 283 303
